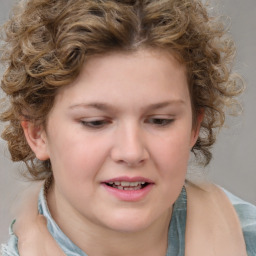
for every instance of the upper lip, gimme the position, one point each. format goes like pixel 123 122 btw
pixel 129 179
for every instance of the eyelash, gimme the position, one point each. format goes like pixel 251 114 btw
pixel 161 122
pixel 98 124
pixel 95 124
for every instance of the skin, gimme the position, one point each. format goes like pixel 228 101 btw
pixel 126 115
pixel 30 227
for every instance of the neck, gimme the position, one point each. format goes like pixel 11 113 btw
pixel 149 242
pixel 96 240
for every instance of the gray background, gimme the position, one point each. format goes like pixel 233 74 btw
pixel 234 163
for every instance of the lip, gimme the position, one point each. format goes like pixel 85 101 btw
pixel 129 195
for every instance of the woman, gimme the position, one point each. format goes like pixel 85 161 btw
pixel 107 100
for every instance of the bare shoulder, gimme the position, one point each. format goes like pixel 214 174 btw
pixel 247 216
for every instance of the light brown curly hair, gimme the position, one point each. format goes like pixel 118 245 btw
pixel 48 41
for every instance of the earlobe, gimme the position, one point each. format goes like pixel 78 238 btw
pixel 36 138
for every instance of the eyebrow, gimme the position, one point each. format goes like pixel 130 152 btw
pixel 155 106
pixel 108 107
pixel 96 105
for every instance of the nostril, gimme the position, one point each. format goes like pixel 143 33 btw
pixel 129 148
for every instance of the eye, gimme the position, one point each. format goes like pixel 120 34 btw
pixel 95 124
pixel 160 121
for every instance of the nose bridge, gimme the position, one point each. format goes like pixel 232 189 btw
pixel 129 146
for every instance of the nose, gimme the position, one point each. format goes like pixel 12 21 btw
pixel 129 146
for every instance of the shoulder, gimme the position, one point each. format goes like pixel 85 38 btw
pixel 247 216
pixel 10 248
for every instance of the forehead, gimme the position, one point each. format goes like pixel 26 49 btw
pixel 144 76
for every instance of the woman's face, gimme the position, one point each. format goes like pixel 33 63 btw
pixel 119 139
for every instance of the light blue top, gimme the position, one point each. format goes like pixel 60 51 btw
pixel 176 235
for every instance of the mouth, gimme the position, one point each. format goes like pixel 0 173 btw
pixel 129 189
pixel 125 185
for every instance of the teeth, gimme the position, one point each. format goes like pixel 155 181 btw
pixel 127 184
pixel 130 184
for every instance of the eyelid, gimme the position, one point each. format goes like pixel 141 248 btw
pixel 162 120
pixel 94 123
pixel 161 116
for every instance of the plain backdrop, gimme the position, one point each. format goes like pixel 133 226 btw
pixel 234 162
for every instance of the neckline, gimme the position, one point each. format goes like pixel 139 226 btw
pixel 176 232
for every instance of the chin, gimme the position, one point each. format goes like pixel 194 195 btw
pixel 130 222
pixel 128 227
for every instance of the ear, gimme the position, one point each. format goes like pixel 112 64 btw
pixel 36 138
pixel 196 128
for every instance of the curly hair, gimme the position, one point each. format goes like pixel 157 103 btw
pixel 46 43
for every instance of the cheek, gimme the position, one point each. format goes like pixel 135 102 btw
pixel 171 158
pixel 76 156
pixel 173 150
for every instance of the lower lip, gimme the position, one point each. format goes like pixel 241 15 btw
pixel 129 195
